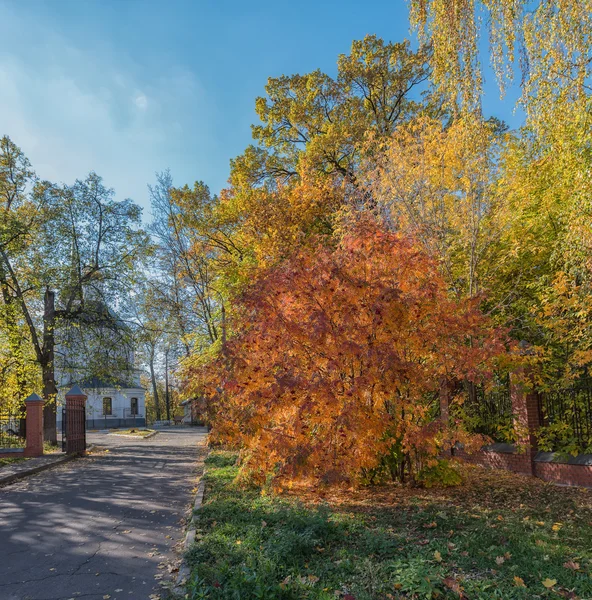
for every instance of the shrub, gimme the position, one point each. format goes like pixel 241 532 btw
pixel 442 474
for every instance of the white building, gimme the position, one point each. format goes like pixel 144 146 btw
pixel 112 405
pixel 98 357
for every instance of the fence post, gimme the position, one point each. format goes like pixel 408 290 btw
pixel 525 406
pixel 34 445
pixel 76 421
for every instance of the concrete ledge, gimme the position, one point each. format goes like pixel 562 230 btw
pixel 501 447
pixel 33 466
pixel 184 570
pixel 584 460
pixel 11 452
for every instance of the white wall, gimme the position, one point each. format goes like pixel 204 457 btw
pixel 120 404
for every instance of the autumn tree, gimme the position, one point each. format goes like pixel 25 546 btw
pixel 337 356
pixel 64 260
pixel 542 269
pixel 188 243
pixel 317 122
pixel 550 41
pixel 439 185
pixel 20 216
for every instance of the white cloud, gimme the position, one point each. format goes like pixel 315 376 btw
pixel 69 109
pixel 141 102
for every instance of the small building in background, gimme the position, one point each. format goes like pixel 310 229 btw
pixel 112 405
pixel 193 411
pixel 97 353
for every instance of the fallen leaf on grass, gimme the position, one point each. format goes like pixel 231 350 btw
pixel 549 583
pixel 454 585
pixel 518 581
pixel 437 556
pixel 570 564
pixel 500 560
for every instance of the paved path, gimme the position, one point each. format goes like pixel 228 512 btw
pixel 100 527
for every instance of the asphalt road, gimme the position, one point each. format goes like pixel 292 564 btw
pixel 101 527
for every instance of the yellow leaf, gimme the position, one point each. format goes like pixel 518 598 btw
pixel 518 581
pixel 549 583
pixel 437 556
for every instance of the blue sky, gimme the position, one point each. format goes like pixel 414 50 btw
pixel 131 87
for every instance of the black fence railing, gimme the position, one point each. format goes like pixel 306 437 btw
pixel 117 418
pixel 488 411
pixel 571 407
pixel 13 430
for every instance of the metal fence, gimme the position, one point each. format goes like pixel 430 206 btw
pixel 121 418
pixel 572 407
pixel 13 430
pixel 489 411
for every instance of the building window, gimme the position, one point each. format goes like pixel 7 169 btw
pixel 134 406
pixel 107 406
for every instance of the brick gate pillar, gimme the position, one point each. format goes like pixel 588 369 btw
pixel 34 445
pixel 75 421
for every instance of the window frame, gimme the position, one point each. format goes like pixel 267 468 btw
pixel 110 400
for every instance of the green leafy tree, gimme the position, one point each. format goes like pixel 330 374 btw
pixel 69 256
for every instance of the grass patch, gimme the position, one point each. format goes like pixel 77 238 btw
pixel 135 432
pixel 11 461
pixel 498 536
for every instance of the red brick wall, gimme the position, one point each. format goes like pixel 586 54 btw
pixel 515 462
pixel 579 475
pixel 555 472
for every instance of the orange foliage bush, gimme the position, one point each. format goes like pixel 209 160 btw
pixel 338 359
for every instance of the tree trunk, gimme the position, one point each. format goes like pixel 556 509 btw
pixel 166 385
pixel 50 390
pixel 154 388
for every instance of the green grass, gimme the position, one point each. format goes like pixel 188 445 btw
pixel 135 432
pixel 11 461
pixel 391 542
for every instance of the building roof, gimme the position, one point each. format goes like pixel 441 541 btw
pixel 98 383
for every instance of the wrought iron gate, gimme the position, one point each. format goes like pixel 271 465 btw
pixel 74 429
